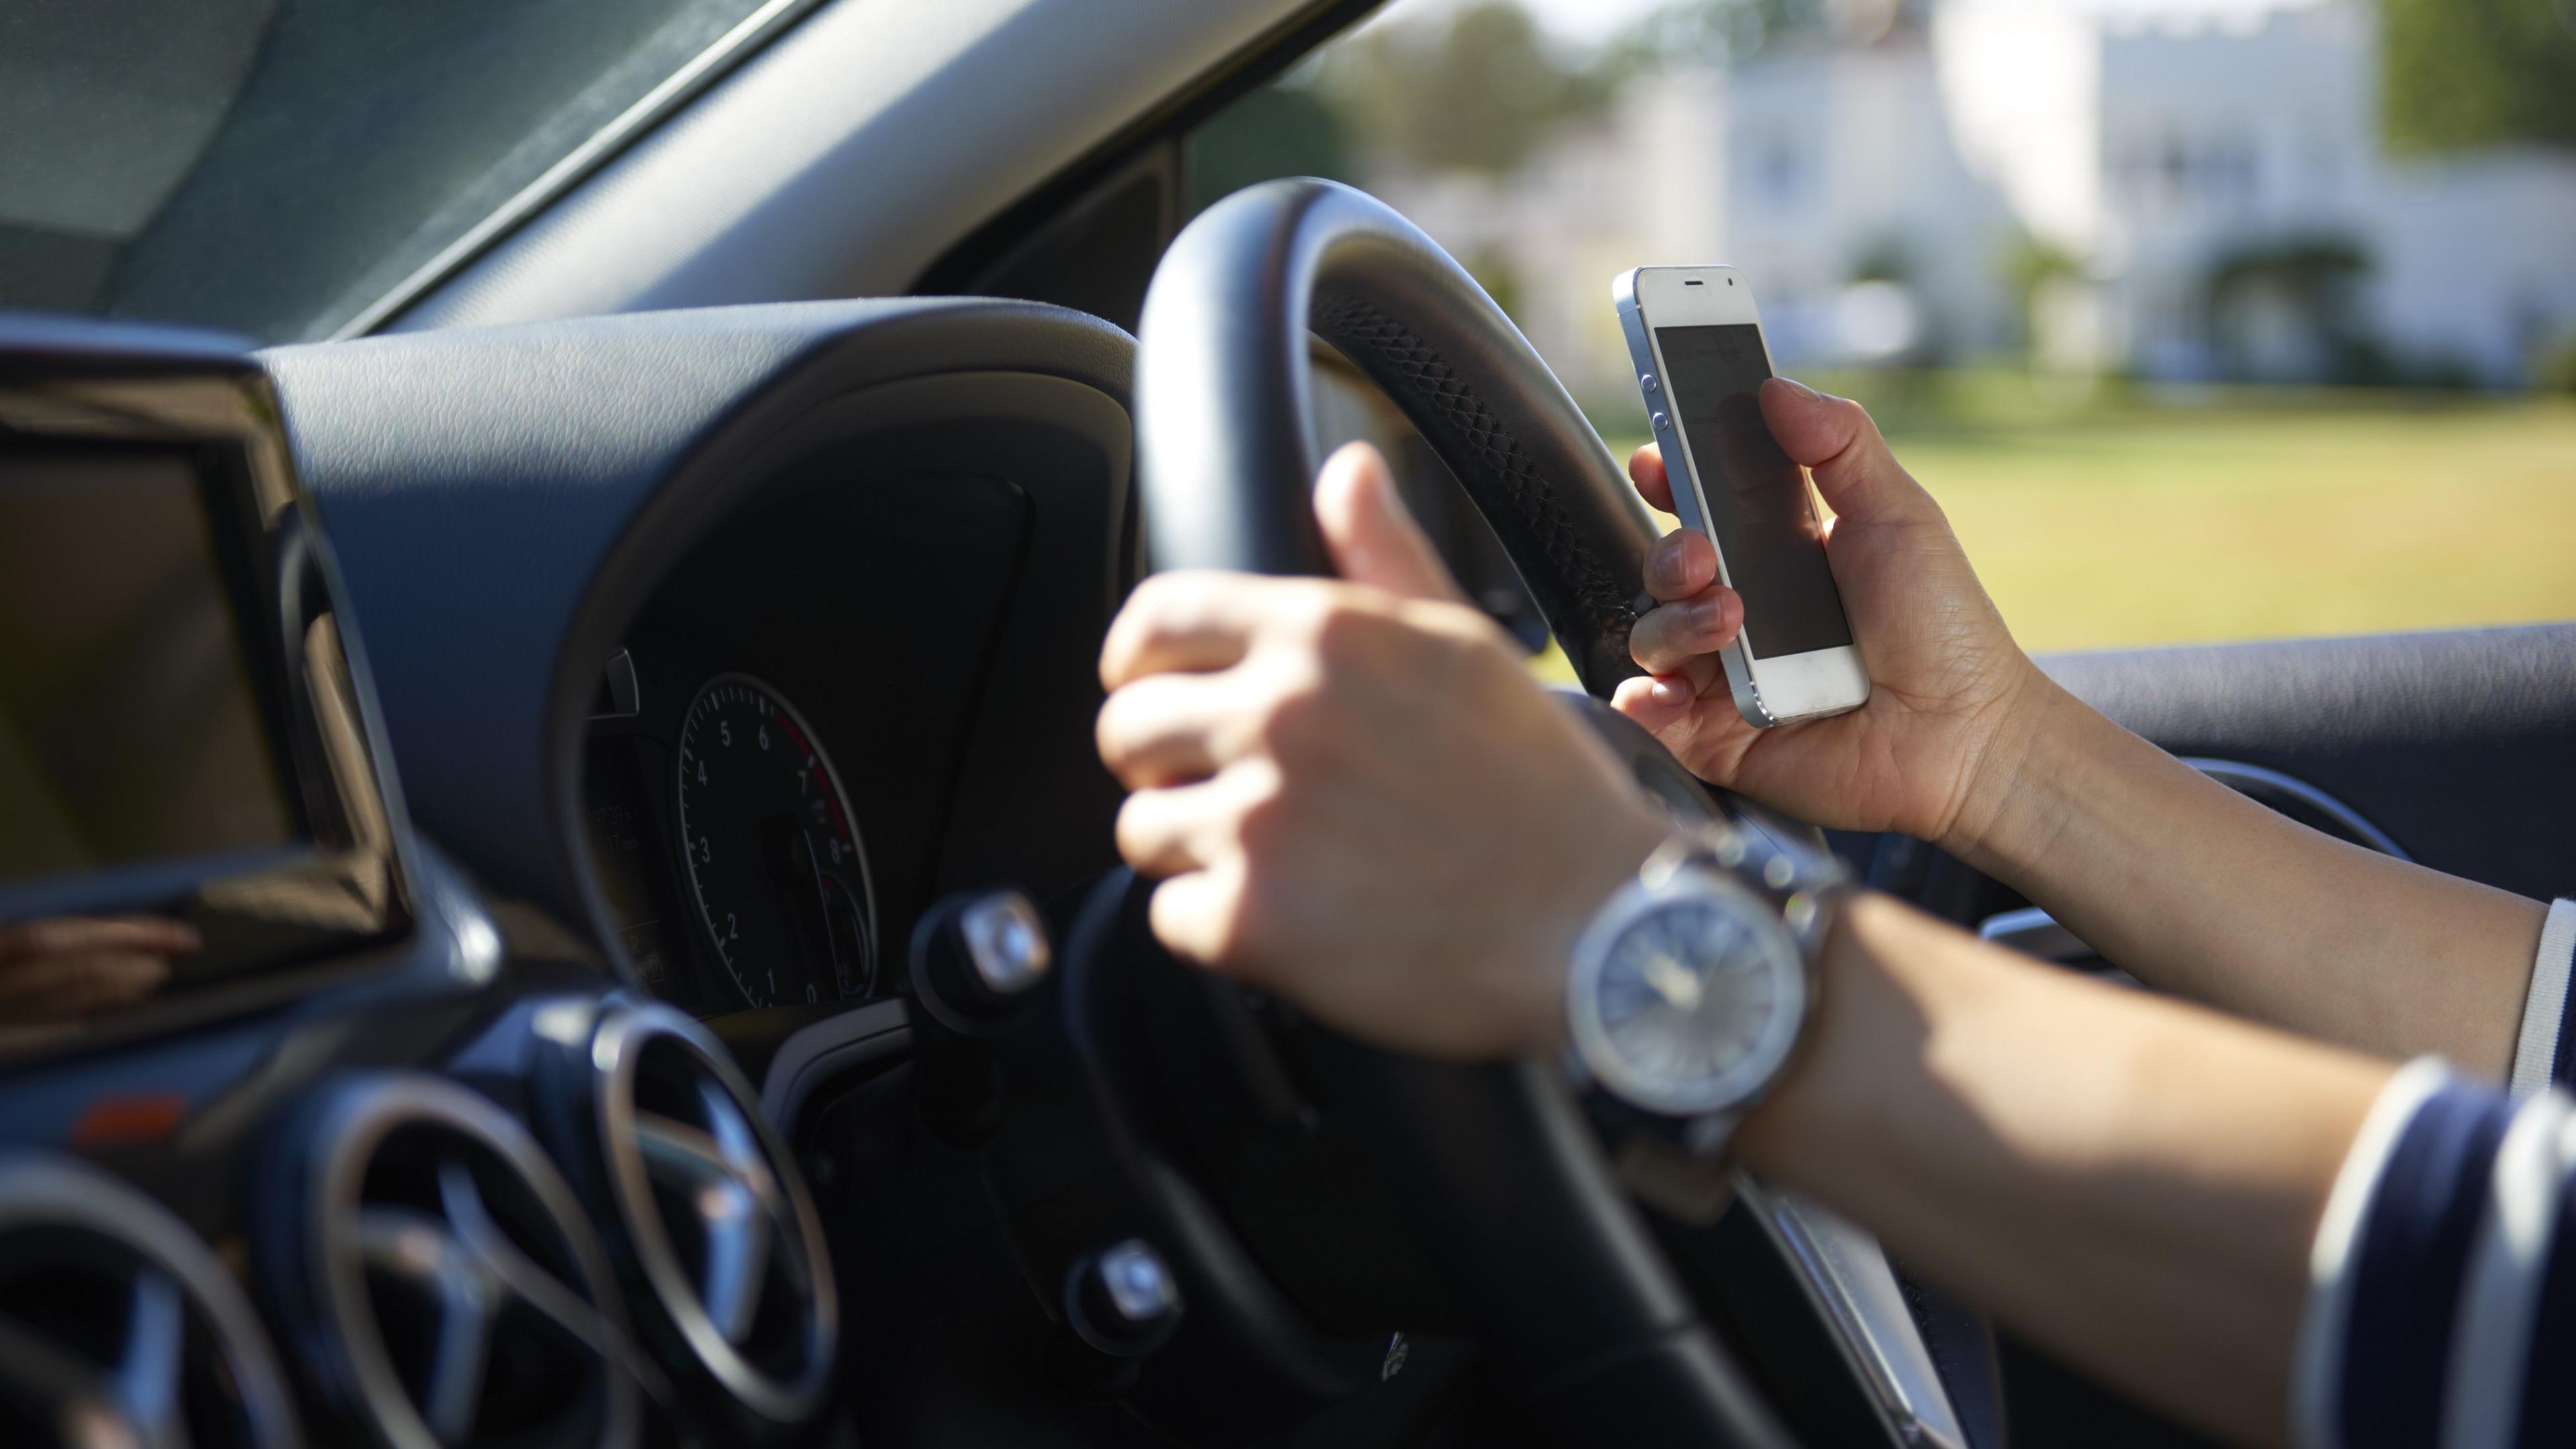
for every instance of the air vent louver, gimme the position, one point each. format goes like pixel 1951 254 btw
pixel 118 1326
pixel 716 1225
pixel 449 1290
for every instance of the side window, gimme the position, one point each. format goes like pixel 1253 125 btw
pixel 2171 384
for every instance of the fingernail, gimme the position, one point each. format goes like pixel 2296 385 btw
pixel 1802 390
pixel 1671 691
pixel 1708 615
pixel 1666 565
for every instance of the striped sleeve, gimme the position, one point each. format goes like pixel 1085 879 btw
pixel 2440 1309
pixel 2543 1054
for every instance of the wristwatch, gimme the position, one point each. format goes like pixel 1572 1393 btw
pixel 1687 993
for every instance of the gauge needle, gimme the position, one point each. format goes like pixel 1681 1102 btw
pixel 1672 981
pixel 814 863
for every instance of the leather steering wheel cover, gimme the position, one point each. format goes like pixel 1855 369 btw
pixel 1224 391
pixel 1588 1323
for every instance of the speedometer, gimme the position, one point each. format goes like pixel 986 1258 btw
pixel 775 863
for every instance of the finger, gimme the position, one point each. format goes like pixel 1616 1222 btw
pixel 1372 535
pixel 1195 916
pixel 1694 719
pixel 1189 619
pixel 1168 729
pixel 1681 563
pixel 1836 440
pixel 62 987
pixel 63 935
pixel 1658 703
pixel 1669 639
pixel 1180 828
pixel 1165 832
pixel 1646 470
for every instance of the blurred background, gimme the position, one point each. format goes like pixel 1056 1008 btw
pixel 2205 319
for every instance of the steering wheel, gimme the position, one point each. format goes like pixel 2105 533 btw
pixel 1514 1200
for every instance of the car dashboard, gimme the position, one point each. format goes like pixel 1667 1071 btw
pixel 689 662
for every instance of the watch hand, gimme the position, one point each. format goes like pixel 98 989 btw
pixel 1672 981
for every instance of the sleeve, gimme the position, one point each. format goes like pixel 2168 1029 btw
pixel 2543 1055
pixel 2437 1283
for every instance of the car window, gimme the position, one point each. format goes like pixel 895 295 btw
pixel 2249 324
pixel 274 167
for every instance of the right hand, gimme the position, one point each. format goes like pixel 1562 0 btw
pixel 1354 793
pixel 1949 690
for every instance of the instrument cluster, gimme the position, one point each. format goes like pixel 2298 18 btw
pixel 723 842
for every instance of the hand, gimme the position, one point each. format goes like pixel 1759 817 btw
pixel 65 968
pixel 1948 687
pixel 1356 795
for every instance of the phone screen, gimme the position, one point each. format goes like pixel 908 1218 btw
pixel 1759 515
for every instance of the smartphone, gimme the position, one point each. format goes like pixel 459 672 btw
pixel 1701 360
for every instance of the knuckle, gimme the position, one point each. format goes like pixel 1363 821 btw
pixel 1344 633
pixel 1297 715
pixel 1650 639
pixel 1230 931
pixel 1109 728
pixel 1135 839
pixel 1264 823
pixel 1856 421
pixel 1234 942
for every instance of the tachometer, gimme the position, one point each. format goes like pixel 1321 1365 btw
pixel 775 863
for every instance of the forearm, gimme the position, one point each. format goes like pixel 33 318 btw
pixel 2192 887
pixel 2132 1182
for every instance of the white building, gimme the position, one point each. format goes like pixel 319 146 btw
pixel 2161 147
pixel 2158 151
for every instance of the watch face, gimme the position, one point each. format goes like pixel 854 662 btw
pixel 1688 995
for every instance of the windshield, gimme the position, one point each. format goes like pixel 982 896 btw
pixel 276 167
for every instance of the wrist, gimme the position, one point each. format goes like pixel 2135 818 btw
pixel 2036 788
pixel 2008 804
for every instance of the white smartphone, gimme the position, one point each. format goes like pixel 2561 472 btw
pixel 1701 360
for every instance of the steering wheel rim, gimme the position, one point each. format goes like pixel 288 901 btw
pixel 1531 1228
pixel 1225 390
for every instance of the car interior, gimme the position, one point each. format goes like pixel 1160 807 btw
pixel 611 714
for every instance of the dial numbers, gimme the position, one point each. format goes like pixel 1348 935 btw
pixel 775 864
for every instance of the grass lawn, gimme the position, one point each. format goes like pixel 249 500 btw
pixel 2139 518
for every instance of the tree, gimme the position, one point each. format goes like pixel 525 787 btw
pixel 2478 72
pixel 2316 279
pixel 1474 95
pixel 1282 129
pixel 2031 267
pixel 1711 32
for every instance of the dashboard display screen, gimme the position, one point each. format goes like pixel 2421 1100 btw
pixel 130 726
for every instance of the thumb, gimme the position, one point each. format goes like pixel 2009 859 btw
pixel 1835 439
pixel 1373 539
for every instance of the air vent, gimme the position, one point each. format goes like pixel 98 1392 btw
pixel 444 1282
pixel 119 1326
pixel 720 1240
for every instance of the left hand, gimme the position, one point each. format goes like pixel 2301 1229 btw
pixel 1356 794
pixel 1954 704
